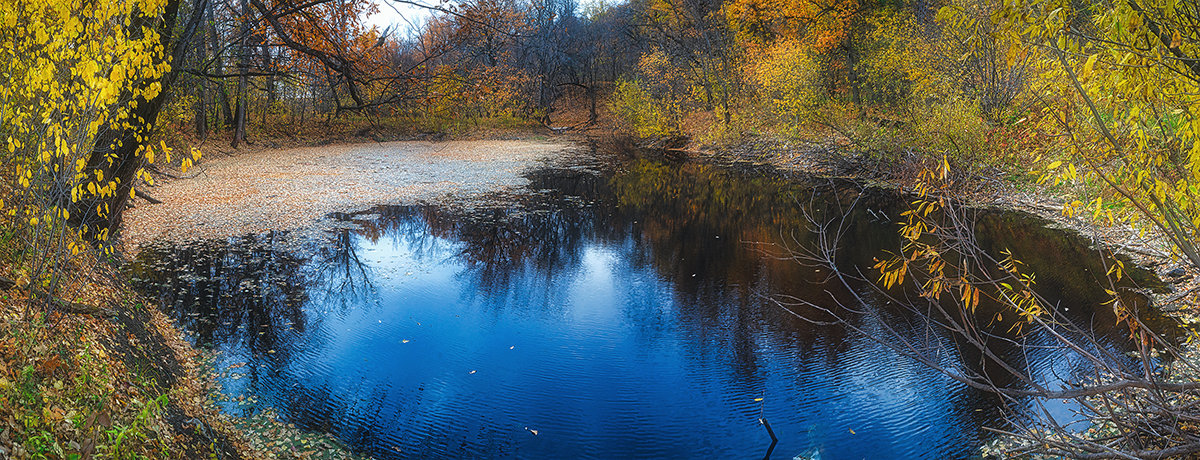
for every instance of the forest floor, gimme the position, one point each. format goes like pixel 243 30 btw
pixel 296 188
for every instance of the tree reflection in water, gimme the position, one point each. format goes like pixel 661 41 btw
pixel 338 276
pixel 239 290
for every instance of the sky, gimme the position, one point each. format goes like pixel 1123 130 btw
pixel 400 15
pixel 406 17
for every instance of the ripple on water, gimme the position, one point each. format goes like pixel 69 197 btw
pixel 610 331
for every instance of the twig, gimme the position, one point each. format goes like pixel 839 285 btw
pixel 774 440
pixel 1181 295
pixel 155 170
pixel 146 196
pixel 66 305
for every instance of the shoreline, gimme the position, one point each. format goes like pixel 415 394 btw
pixel 197 208
pixel 520 155
pixel 1151 251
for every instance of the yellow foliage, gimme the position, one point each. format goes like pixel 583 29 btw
pixel 821 24
pixel 1124 97
pixel 932 254
pixel 789 80
pixel 953 127
pixel 900 60
pixel 71 72
pixel 478 93
pixel 645 115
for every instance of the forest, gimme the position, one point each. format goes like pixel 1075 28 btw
pixel 1099 93
pixel 1087 111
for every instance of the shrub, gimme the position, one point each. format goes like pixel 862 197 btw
pixel 954 127
pixel 789 82
pixel 641 113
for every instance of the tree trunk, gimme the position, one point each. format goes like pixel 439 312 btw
pixel 115 153
pixel 239 121
pixel 852 72
pixel 226 107
pixel 592 115
pixel 202 98
pixel 201 117
pixel 239 117
pixel 214 39
pixel 266 63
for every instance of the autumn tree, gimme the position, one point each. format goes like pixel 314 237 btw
pixel 1118 80
pixel 1115 85
pixel 973 56
pixel 695 40
pixel 120 149
pixel 86 86
pixel 83 84
pixel 832 29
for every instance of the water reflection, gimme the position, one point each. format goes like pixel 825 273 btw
pixel 617 314
pixel 338 276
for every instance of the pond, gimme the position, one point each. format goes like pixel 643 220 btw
pixel 609 311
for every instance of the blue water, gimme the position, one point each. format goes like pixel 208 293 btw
pixel 614 314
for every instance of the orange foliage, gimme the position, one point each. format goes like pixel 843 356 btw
pixel 820 24
pixel 336 28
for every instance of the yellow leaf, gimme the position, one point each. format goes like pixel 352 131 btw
pixel 1087 67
